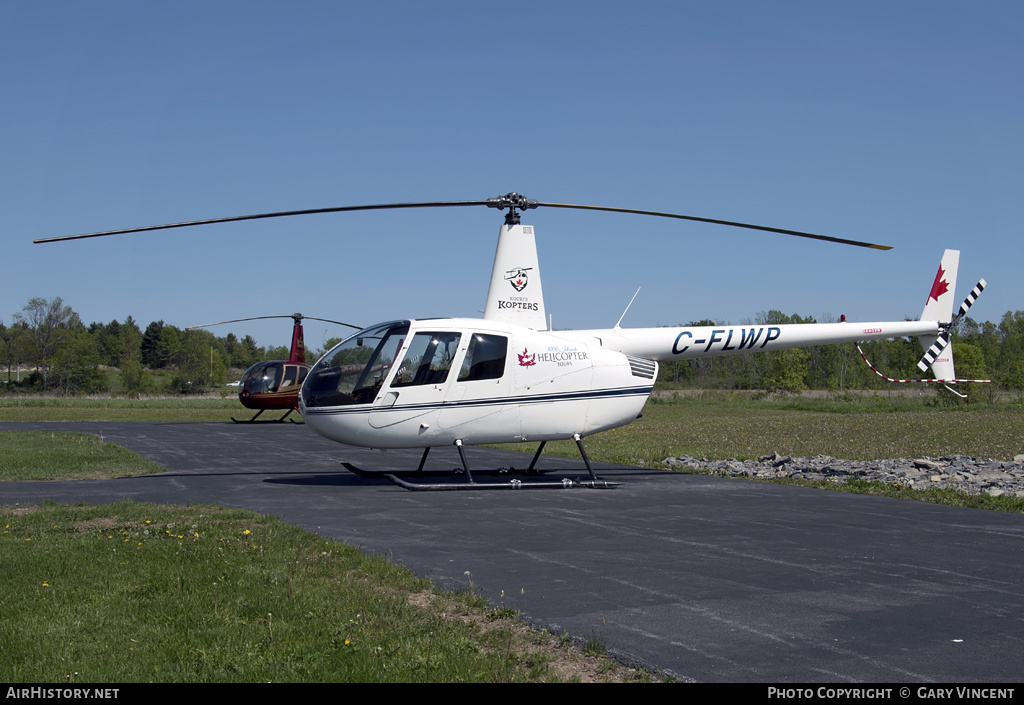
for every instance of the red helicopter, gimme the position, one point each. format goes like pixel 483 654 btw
pixel 274 384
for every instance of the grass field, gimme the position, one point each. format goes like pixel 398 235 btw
pixel 853 430
pixel 135 593
pixel 106 408
pixel 46 455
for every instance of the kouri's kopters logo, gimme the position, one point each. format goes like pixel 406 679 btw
pixel 517 277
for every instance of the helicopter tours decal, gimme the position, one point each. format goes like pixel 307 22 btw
pixel 562 357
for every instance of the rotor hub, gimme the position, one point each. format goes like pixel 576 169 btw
pixel 515 203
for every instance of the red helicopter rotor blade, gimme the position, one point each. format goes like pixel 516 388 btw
pixel 260 318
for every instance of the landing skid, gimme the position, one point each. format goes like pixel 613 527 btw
pixel 513 483
pixel 253 419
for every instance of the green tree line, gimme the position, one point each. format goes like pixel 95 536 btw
pixel 47 348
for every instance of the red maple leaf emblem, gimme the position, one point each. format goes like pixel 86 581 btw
pixel 526 359
pixel 939 287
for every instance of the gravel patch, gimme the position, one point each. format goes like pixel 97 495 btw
pixel 960 472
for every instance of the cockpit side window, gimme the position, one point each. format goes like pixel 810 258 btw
pixel 485 358
pixel 428 359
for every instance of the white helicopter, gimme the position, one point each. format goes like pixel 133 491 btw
pixel 507 378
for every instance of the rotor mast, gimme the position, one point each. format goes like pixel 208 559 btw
pixel 515 295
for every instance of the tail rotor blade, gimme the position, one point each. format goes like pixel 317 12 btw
pixel 933 352
pixel 971 298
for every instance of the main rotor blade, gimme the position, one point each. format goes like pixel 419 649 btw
pixel 512 200
pixel 327 320
pixel 236 320
pixel 280 214
pixel 827 238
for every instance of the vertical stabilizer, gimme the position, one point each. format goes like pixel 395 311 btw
pixel 515 294
pixel 298 349
pixel 939 304
pixel 939 307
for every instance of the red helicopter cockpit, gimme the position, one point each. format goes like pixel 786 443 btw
pixel 265 379
pixel 274 384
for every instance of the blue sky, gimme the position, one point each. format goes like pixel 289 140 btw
pixel 899 123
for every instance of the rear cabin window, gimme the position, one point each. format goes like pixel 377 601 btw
pixel 485 358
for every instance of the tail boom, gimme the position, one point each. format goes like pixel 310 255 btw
pixel 687 343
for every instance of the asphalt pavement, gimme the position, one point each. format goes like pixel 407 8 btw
pixel 701 578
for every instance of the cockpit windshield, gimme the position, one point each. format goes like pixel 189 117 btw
pixel 263 378
pixel 353 370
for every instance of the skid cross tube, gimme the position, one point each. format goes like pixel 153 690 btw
pixel 512 483
pixel 253 419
